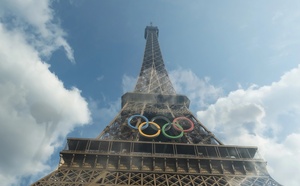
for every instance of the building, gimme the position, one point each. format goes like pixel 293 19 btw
pixel 156 140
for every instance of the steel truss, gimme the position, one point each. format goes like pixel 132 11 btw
pixel 121 155
pixel 77 177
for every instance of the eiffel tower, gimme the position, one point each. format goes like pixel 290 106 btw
pixel 156 140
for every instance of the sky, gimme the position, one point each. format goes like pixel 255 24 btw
pixel 65 64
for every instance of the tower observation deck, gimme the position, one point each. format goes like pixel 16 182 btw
pixel 156 140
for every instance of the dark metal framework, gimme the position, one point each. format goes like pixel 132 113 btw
pixel 153 77
pixel 121 155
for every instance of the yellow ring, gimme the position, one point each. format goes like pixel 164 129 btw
pixel 147 135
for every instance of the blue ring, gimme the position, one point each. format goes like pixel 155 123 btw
pixel 141 116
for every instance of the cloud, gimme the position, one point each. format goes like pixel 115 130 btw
pixel 128 83
pixel 100 78
pixel 36 111
pixel 199 91
pixel 103 112
pixel 35 18
pixel 266 117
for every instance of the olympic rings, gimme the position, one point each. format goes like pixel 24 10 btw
pixel 183 118
pixel 162 118
pixel 169 136
pixel 157 127
pixel 134 127
pixel 169 125
pixel 148 135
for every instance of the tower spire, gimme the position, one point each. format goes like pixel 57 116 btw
pixel 153 77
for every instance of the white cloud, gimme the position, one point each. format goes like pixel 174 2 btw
pixel 266 117
pixel 128 83
pixel 36 111
pixel 103 113
pixel 36 19
pixel 199 91
pixel 100 78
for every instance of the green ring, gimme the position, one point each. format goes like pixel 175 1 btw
pixel 169 136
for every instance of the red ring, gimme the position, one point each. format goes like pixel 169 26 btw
pixel 183 118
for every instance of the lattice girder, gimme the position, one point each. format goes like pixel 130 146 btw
pixel 153 76
pixel 186 153
pixel 118 129
pixel 68 177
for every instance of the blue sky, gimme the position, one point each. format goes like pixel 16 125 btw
pixel 65 64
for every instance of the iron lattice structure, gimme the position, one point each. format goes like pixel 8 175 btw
pixel 156 140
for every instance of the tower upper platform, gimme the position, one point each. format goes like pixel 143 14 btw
pixel 151 29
